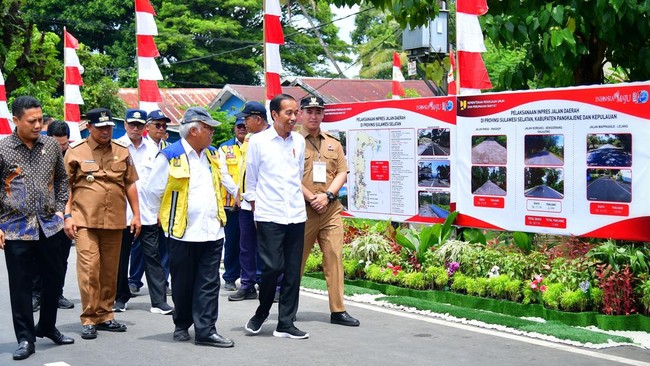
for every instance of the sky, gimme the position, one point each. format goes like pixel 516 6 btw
pixel 346 26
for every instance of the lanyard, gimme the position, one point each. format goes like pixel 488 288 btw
pixel 314 145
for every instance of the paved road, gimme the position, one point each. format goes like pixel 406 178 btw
pixel 489 152
pixel 543 191
pixel 385 337
pixel 607 189
pixel 432 149
pixel 544 158
pixel 608 155
pixel 491 189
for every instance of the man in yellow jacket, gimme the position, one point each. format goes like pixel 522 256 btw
pixel 185 188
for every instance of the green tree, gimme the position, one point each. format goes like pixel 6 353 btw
pixel 569 42
pixel 202 43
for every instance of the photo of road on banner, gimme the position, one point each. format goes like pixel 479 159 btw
pixel 609 149
pixel 613 185
pixel 489 180
pixel 433 142
pixel 544 183
pixel 546 150
pixel 490 149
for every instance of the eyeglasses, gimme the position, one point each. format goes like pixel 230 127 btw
pixel 241 126
pixel 160 126
pixel 135 125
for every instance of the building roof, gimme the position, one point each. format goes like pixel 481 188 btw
pixel 247 93
pixel 355 90
pixel 175 101
pixel 331 90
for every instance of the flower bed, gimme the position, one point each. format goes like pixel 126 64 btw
pixel 574 281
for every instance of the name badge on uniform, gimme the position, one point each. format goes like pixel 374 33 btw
pixel 319 172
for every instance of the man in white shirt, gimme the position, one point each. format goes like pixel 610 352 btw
pixel 187 195
pixel 156 128
pixel 274 167
pixel 143 153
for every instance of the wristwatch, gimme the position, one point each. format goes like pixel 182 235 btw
pixel 330 196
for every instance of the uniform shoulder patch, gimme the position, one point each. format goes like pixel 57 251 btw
pixel 77 143
pixel 332 136
pixel 120 143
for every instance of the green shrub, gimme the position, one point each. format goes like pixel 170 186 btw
pixel 471 286
pixel 482 286
pixel 553 295
pixel 436 276
pixel 352 268
pixel 374 273
pixel 477 286
pixel 576 300
pixel 368 247
pixel 643 292
pixel 513 290
pixel 496 286
pixel 414 280
pixel 596 296
pixel 459 282
pixel 314 262
pixel 455 250
pixel 530 296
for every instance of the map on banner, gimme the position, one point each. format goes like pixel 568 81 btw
pixel 398 154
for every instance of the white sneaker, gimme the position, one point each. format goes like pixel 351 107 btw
pixel 293 333
pixel 119 307
pixel 162 309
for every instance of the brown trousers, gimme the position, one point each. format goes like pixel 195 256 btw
pixel 98 258
pixel 328 229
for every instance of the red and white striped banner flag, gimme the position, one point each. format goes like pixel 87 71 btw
pixel 451 80
pixel 148 71
pixel 6 126
pixel 473 75
pixel 72 82
pixel 398 77
pixel 273 38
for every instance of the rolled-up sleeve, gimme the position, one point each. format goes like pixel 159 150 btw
pixel 157 182
pixel 252 169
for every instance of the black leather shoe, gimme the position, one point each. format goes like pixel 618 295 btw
pixel 25 349
pixel 89 332
pixel 65 303
pixel 181 335
pixel 54 335
pixel 244 294
pixel 111 326
pixel 343 318
pixel 215 340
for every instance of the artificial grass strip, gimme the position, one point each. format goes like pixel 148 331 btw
pixel 317 283
pixel 635 322
pixel 553 328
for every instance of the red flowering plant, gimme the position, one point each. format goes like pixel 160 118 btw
pixel 537 287
pixel 394 268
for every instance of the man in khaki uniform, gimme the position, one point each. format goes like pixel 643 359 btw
pixel 325 173
pixel 102 177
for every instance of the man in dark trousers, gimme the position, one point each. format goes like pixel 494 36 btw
pixel 31 223
pixel 274 167
pixel 185 190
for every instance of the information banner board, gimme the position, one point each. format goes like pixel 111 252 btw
pixel 572 161
pixel 400 155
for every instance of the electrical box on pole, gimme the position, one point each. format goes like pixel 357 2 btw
pixel 428 40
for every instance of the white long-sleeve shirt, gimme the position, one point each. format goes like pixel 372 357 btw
pixel 274 168
pixel 143 157
pixel 202 222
